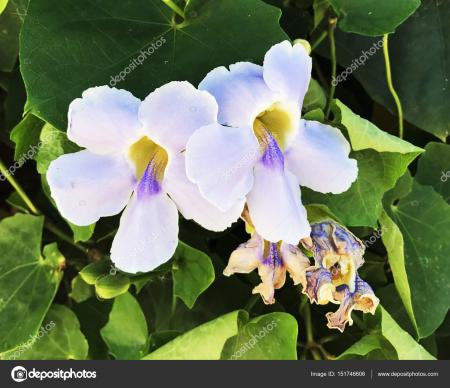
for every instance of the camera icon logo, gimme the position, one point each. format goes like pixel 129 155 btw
pixel 19 374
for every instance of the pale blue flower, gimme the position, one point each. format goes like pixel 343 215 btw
pixel 134 160
pixel 260 150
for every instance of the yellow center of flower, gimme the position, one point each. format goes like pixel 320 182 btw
pixel 145 151
pixel 342 269
pixel 276 120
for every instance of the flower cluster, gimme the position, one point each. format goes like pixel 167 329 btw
pixel 338 254
pixel 235 143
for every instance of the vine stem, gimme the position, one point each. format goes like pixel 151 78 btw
pixel 332 21
pixel 309 329
pixel 391 86
pixel 318 41
pixel 18 189
pixel 52 228
pixel 174 7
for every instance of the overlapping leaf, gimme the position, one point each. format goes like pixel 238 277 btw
pixel 29 279
pixel 92 43
pixel 373 17
pixel 382 160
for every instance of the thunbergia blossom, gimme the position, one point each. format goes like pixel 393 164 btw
pixel 272 261
pixel 338 254
pixel 134 158
pixel 260 150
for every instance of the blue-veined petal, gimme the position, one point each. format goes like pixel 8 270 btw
pixel 272 273
pixel 148 231
pixel 319 158
pixel 287 70
pixel 240 92
pixel 171 114
pixel 363 299
pixel 104 120
pixel 86 186
pixel 295 262
pixel 220 161
pixel 191 203
pixel 319 286
pixel 274 201
pixel 338 250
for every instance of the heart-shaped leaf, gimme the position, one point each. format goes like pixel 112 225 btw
pixel 67 47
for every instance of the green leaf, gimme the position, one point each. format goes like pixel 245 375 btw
pixel 404 344
pixel 382 160
pixel 434 168
pixel 192 273
pixel 3 4
pixel 373 17
pixel 126 332
pixel 93 314
pixel 393 241
pixel 26 137
pixel 320 8
pixel 268 337
pixel 110 286
pixel 319 212
pixel 423 218
pixel 54 143
pixel 423 66
pixel 114 35
pixel 361 205
pixel 59 338
pixel 15 200
pixel 108 281
pixel 205 342
pixel 315 97
pixel 82 233
pixel 315 115
pixel 365 135
pixel 368 344
pixel 95 270
pixel 11 22
pixel 29 281
pixel 81 291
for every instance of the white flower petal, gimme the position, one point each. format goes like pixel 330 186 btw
pixel 295 262
pixel 190 202
pixel 287 69
pixel 267 288
pixel 246 257
pixel 220 161
pixel 319 158
pixel 275 207
pixel 86 186
pixel 240 92
pixel 147 235
pixel 174 111
pixel 104 120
